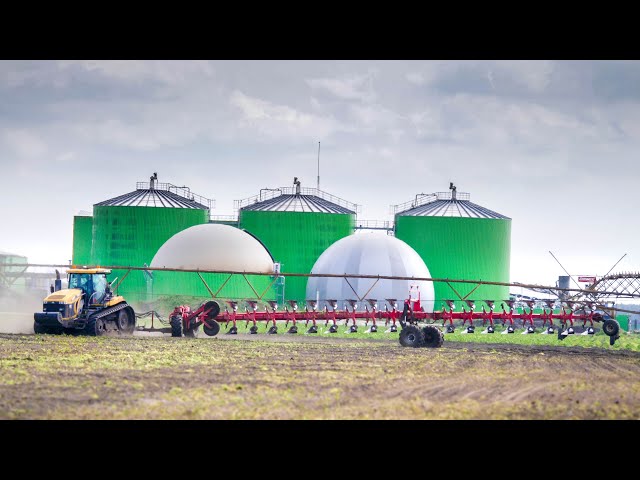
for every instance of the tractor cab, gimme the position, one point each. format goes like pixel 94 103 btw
pixel 93 283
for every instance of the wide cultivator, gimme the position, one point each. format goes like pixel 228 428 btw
pixel 418 328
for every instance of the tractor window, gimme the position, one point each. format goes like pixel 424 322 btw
pixel 99 287
pixel 82 281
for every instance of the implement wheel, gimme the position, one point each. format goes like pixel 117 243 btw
pixel 214 309
pixel 611 327
pixel 176 326
pixel 411 336
pixel 212 328
pixel 433 337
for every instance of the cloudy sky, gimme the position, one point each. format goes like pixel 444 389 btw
pixel 552 144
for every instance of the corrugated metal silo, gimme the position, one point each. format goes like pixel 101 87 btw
pixel 296 225
pixel 458 239
pixel 82 239
pixel 129 229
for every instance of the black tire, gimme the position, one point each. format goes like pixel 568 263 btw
pixel 124 322
pixel 176 326
pixel 433 337
pixel 40 329
pixel 214 309
pixel 611 327
pixel 213 330
pixel 95 327
pixel 411 336
pixel 43 329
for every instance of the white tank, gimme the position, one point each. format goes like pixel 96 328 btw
pixel 214 247
pixel 370 253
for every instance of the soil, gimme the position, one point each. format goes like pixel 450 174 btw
pixel 303 377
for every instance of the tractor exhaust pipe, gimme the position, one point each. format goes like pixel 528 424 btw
pixel 58 282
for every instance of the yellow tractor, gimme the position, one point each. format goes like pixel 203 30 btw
pixel 87 307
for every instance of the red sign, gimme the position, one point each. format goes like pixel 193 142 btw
pixel 587 279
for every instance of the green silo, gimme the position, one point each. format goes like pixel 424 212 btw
pixel 458 239
pixel 296 225
pixel 82 239
pixel 129 229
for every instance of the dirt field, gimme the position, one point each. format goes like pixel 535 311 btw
pixel 280 377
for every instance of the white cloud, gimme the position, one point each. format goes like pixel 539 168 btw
pixel 315 104
pixel 170 72
pixel 533 74
pixel 280 120
pixel 415 78
pixel 514 147
pixel 354 87
pixel 66 157
pixel 483 120
pixel 24 143
pixel 373 116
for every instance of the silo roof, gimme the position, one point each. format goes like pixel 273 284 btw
pixel 445 204
pixel 287 199
pixel 159 195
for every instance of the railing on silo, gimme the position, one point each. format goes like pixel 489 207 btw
pixel 373 225
pixel 184 192
pixel 424 198
pixel 269 193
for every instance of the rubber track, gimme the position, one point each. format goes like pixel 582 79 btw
pixel 109 311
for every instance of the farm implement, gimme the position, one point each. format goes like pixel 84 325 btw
pixel 90 307
pixel 418 328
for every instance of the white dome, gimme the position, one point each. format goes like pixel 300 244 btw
pixel 370 254
pixel 214 247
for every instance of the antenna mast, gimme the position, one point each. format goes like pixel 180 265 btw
pixel 318 165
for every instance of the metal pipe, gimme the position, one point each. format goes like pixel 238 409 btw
pixel 333 275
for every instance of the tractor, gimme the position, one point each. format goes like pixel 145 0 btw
pixel 87 307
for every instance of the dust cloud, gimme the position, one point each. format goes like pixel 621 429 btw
pixel 16 312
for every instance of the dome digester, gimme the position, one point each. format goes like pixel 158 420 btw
pixel 212 247
pixel 369 254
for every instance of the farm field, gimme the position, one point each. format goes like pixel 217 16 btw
pixel 306 377
pixel 599 340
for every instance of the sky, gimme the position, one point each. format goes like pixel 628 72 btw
pixel 551 144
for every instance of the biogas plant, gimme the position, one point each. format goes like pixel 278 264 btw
pixel 297 255
pixel 440 235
